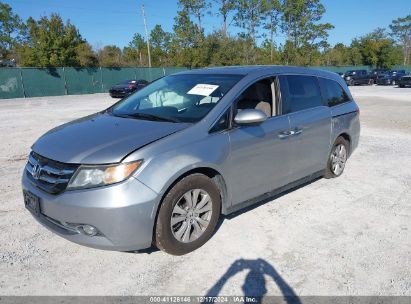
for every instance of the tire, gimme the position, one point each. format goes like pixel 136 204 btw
pixel 174 239
pixel 351 83
pixel 402 86
pixel 330 171
pixel 371 82
pixel 393 82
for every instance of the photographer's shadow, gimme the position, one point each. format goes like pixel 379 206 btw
pixel 255 283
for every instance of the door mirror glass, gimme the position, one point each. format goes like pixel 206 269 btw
pixel 250 117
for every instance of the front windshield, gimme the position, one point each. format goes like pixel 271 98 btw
pixel 178 98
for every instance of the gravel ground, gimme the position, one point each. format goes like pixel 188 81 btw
pixel 347 236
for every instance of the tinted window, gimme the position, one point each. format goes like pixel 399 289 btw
pixel 299 93
pixel 333 93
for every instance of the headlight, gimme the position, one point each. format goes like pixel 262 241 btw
pixel 348 77
pixel 95 176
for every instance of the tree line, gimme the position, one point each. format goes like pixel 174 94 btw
pixel 52 42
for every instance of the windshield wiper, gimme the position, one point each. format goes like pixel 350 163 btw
pixel 149 117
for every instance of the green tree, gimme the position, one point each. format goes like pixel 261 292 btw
pixel 225 7
pixel 338 55
pixel 377 49
pixel 401 30
pixel 305 35
pixel 110 56
pixel 11 29
pixel 50 43
pixel 248 17
pixel 161 45
pixel 136 52
pixel 184 47
pixel 196 8
pixel 271 11
pixel 86 57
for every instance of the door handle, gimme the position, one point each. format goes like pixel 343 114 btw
pixel 285 134
pixel 297 131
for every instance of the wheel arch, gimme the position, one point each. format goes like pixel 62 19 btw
pixel 347 137
pixel 210 172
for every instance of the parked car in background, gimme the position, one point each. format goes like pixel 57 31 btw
pixel 391 78
pixel 405 81
pixel 127 87
pixel 358 77
pixel 377 73
pixel 162 165
pixel 8 63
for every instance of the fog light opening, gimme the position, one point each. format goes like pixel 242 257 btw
pixel 89 230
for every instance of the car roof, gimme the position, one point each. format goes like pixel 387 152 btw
pixel 262 69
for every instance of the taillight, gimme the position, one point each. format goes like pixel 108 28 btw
pixel 130 86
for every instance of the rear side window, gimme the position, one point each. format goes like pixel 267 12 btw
pixel 299 93
pixel 333 93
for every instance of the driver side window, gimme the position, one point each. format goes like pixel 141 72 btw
pixel 258 96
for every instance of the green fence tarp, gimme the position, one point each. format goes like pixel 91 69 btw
pixel 43 82
pixel 10 83
pixel 31 82
pixel 112 76
pixel 83 80
pixel 342 69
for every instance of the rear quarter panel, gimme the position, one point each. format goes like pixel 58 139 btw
pixel 345 118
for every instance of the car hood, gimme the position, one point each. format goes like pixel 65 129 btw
pixel 101 138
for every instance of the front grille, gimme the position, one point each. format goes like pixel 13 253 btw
pixel 47 174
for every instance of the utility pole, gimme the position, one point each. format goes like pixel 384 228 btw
pixel 147 37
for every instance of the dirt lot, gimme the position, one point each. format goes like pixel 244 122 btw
pixel 347 236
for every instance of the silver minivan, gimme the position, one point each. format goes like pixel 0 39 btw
pixel 161 166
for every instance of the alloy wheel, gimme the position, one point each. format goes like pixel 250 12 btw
pixel 338 159
pixel 191 215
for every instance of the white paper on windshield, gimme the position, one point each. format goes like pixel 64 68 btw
pixel 203 89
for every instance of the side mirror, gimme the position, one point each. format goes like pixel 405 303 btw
pixel 250 117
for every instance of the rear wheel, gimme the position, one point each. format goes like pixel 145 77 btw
pixel 351 82
pixel 371 82
pixel 188 215
pixel 337 159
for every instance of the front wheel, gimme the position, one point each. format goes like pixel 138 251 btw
pixel 337 159
pixel 188 215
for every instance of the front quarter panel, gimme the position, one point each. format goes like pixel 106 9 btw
pixel 167 160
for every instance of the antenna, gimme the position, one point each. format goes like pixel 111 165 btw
pixel 147 37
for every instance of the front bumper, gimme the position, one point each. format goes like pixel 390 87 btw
pixel 123 213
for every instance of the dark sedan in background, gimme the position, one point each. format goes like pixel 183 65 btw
pixel 127 88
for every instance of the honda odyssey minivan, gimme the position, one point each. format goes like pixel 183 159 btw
pixel 162 165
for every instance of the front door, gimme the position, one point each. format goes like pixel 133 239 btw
pixel 258 153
